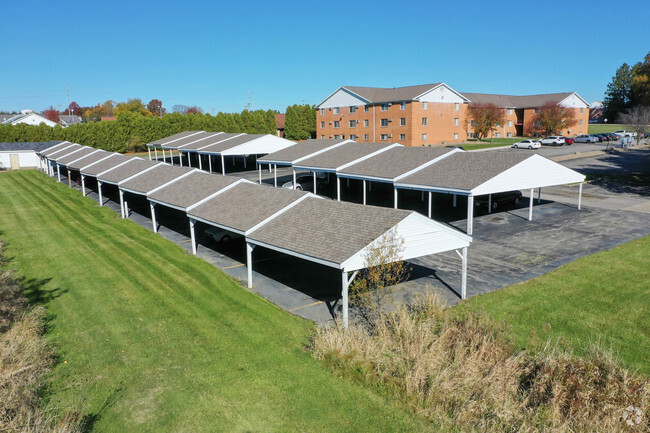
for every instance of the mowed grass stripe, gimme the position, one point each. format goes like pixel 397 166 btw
pixel 200 352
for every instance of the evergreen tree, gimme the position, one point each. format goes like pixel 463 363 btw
pixel 619 92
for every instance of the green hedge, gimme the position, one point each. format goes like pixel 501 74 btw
pixel 131 132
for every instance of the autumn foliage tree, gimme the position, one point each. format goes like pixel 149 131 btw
pixel 52 114
pixel 155 107
pixel 74 109
pixel 484 118
pixel 553 118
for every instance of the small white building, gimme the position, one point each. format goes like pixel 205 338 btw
pixel 14 156
pixel 30 118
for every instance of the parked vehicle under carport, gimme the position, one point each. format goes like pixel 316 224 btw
pixel 499 199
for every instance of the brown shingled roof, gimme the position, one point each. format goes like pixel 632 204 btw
pixel 395 162
pixel 343 228
pixel 512 101
pixel 63 152
pixel 132 167
pixel 300 150
pixel 464 170
pixel 165 140
pixel 245 205
pixel 279 120
pixel 154 178
pixel 341 155
pixel 64 160
pixel 378 94
pixel 235 141
pixel 95 168
pixel 192 189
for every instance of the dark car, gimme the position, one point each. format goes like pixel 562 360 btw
pixel 568 140
pixel 499 199
pixel 612 136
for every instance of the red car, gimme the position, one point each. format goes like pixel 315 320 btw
pixel 568 140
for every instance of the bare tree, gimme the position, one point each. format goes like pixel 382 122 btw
pixel 637 119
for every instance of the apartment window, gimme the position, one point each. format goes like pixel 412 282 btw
pixel 343 136
pixel 366 137
pixel 366 108
pixel 537 124
pixel 582 110
pixel 510 111
pixel 353 123
pixel 322 137
pixel 456 106
pixel 424 121
pixel 402 106
pixel 425 105
pixel 510 123
pixel 384 122
pixel 336 137
pixel 384 107
pixel 402 121
pixel 537 111
pixel 456 121
pixel 402 137
pixel 322 111
pixel 580 122
pixel 497 135
pixel 336 110
pixel 383 137
pixel 353 109
pixel 366 123
pixel 509 134
pixel 473 123
pixel 455 136
pixel 322 125
pixel 424 136
pixel 337 124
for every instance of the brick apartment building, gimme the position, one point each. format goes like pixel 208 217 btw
pixel 430 114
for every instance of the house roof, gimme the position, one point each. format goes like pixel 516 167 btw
pixel 88 159
pixel 191 189
pixel 94 168
pixel 154 178
pixel 338 157
pixel 303 149
pixel 22 117
pixel 512 101
pixel 379 94
pixel 245 205
pixel 279 120
pixel 132 167
pixel 69 119
pixel 394 162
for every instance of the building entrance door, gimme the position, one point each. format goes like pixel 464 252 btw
pixel 15 161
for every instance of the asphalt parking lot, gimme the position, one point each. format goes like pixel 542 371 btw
pixel 506 248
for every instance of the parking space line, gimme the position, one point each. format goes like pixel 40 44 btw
pixel 234 266
pixel 254 262
pixel 305 306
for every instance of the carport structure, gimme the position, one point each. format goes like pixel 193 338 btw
pixel 43 153
pixel 210 139
pixel 52 156
pixel 187 191
pixel 340 157
pixel 121 172
pixel 168 143
pixel 294 154
pixel 150 180
pixel 244 145
pixel 95 168
pixel 485 173
pixel 64 161
pixel 394 164
pixel 341 234
pixel 91 158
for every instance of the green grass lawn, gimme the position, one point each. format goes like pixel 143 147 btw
pixel 600 300
pixel 152 339
pixel 600 128
pixel 495 142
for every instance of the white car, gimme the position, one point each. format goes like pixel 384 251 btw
pixel 221 235
pixel 555 140
pixel 527 144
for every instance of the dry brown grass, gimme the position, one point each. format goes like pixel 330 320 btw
pixel 25 359
pixel 464 375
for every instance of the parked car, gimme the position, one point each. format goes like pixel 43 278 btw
pixel 612 136
pixel 624 133
pixel 527 144
pixel 585 139
pixel 499 199
pixel 555 140
pixel 305 182
pixel 568 140
pixel 222 236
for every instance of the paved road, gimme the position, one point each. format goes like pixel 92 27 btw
pixel 507 248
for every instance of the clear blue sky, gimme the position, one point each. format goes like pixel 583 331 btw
pixel 213 53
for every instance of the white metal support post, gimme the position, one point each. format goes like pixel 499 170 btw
pixel 429 209
pixel 338 188
pixel 489 203
pixel 580 196
pixel 294 178
pixel 314 175
pixel 122 203
pixel 58 172
pixel 193 235
pixel 364 191
pixel 249 264
pixel 470 214
pixel 155 150
pixel 189 159
pixel 171 156
pixel 83 185
pixel 200 163
pixel 530 205
pixel 154 223
pixel 99 192
pixel 180 158
pixel 395 197
pixel 210 163
pixel 275 175
pixel 164 157
pixel 259 170
pixel 539 195
pixel 149 150
pixel 223 166
pixel 69 179
pixel 463 283
pixel 345 283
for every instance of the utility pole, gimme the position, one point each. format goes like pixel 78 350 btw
pixel 68 91
pixel 248 105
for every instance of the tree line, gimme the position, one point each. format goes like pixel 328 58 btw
pixel 628 90
pixel 133 129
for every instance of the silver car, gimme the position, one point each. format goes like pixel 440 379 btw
pixel 585 139
pixel 305 182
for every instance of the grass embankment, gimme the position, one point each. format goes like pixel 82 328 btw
pixel 151 339
pixel 488 143
pixel 600 128
pixel 601 300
